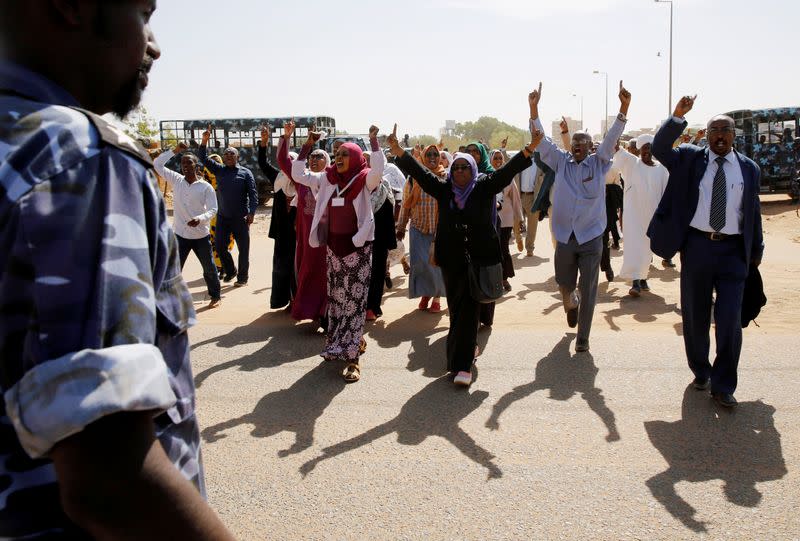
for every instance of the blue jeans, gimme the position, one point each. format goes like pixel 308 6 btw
pixel 201 248
pixel 241 234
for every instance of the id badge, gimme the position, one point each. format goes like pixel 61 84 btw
pixel 337 201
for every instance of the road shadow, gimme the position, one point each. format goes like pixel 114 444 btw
pixel 434 411
pixel 740 447
pixel 548 286
pixel 413 326
pixel 525 261
pixel 565 375
pixel 287 342
pixel 294 409
pixel 778 206
pixel 644 309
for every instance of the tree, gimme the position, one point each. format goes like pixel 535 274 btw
pixel 141 126
pixel 491 131
pixel 423 140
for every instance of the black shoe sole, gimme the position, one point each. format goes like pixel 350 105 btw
pixel 702 386
pixel 572 318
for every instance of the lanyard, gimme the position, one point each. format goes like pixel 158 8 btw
pixel 340 191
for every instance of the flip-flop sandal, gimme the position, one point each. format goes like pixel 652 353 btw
pixel 352 373
pixel 362 347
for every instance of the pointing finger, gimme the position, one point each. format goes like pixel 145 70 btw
pixel 394 131
pixel 620 84
pixel 540 88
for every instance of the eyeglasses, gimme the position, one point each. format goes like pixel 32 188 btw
pixel 457 168
pixel 725 129
pixel 315 157
pixel 432 155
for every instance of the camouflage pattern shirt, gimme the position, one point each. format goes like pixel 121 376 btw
pixel 94 310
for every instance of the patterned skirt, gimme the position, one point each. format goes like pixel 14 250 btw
pixel 348 283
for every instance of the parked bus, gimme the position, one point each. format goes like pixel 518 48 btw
pixel 770 138
pixel 243 134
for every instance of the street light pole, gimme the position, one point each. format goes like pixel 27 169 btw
pixel 669 99
pixel 581 98
pixel 605 118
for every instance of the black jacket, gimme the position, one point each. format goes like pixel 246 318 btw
pixel 478 231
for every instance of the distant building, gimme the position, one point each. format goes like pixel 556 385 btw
pixel 449 128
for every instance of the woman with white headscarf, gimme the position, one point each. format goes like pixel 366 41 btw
pixel 311 298
pixel 466 225
pixel 645 181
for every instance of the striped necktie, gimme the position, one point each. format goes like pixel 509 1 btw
pixel 718 198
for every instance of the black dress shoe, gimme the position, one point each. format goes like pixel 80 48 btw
pixel 229 277
pixel 724 399
pixel 572 317
pixel 388 281
pixel 701 384
pixel 610 275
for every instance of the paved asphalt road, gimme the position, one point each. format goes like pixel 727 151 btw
pixel 546 444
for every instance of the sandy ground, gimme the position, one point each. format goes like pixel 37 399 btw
pixel 547 444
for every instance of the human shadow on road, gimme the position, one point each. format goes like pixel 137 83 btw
pixel 565 375
pixel 741 447
pixel 434 411
pixel 283 345
pixel 294 409
pixel 548 286
pixel 533 261
pixel 416 325
pixel 644 309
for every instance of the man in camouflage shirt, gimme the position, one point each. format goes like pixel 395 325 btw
pixel 98 434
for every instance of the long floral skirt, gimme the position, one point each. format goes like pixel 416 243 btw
pixel 348 283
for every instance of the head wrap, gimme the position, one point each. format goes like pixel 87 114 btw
pixel 449 158
pixel 484 166
pixel 357 171
pixel 644 139
pixel 439 170
pixel 461 194
pixel 325 156
pixel 496 151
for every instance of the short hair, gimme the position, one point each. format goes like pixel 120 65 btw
pixel 721 117
pixel 190 156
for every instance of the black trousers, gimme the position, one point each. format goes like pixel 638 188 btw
pixel 508 263
pixel 241 234
pixel 713 266
pixel 464 320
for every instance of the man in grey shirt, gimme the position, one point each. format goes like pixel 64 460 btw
pixel 579 213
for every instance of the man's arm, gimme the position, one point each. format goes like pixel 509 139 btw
pixel 252 195
pixel 116 482
pixel 377 160
pixel 159 164
pixel 211 206
pixel 202 153
pixel 606 149
pixel 565 140
pixel 757 250
pixel 669 131
pixel 549 152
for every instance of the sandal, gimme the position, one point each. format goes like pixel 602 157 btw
pixel 352 373
pixel 423 303
pixel 435 307
pixel 362 346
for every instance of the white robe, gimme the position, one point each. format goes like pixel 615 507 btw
pixel 644 186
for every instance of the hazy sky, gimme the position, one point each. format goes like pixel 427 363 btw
pixel 419 62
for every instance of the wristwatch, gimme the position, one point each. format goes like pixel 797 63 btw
pixel 622 118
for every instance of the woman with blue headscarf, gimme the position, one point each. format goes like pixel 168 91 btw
pixel 467 216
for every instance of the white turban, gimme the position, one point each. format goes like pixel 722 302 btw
pixel 643 140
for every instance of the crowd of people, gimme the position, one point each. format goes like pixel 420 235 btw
pixel 96 377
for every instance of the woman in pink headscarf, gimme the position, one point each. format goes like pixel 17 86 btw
pixel 343 222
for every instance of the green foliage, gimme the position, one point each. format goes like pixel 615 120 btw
pixel 491 131
pixel 423 140
pixel 140 125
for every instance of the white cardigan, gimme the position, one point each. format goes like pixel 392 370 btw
pixel 319 183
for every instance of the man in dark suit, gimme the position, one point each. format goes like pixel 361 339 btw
pixel 710 212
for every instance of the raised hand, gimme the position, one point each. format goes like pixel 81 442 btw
pixel 563 125
pixel 624 99
pixel 504 142
pixel 288 130
pixel 373 131
pixel 266 131
pixel 699 135
pixel 207 134
pixel 684 105
pixel 535 96
pixel 180 147
pixel 394 144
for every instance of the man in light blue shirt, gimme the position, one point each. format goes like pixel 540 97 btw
pixel 579 213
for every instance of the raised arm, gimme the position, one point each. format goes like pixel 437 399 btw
pixel 606 149
pixel 299 172
pixel 377 160
pixel 669 131
pixel 565 139
pixel 202 153
pixel 159 164
pixel 549 152
pixel 495 182
pixel 269 170
pixel 409 166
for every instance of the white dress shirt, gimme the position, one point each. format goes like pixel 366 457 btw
pixel 734 186
pixel 527 179
pixel 195 201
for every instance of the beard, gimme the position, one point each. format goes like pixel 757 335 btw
pixel 127 97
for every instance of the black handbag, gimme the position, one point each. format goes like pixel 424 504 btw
pixel 485 281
